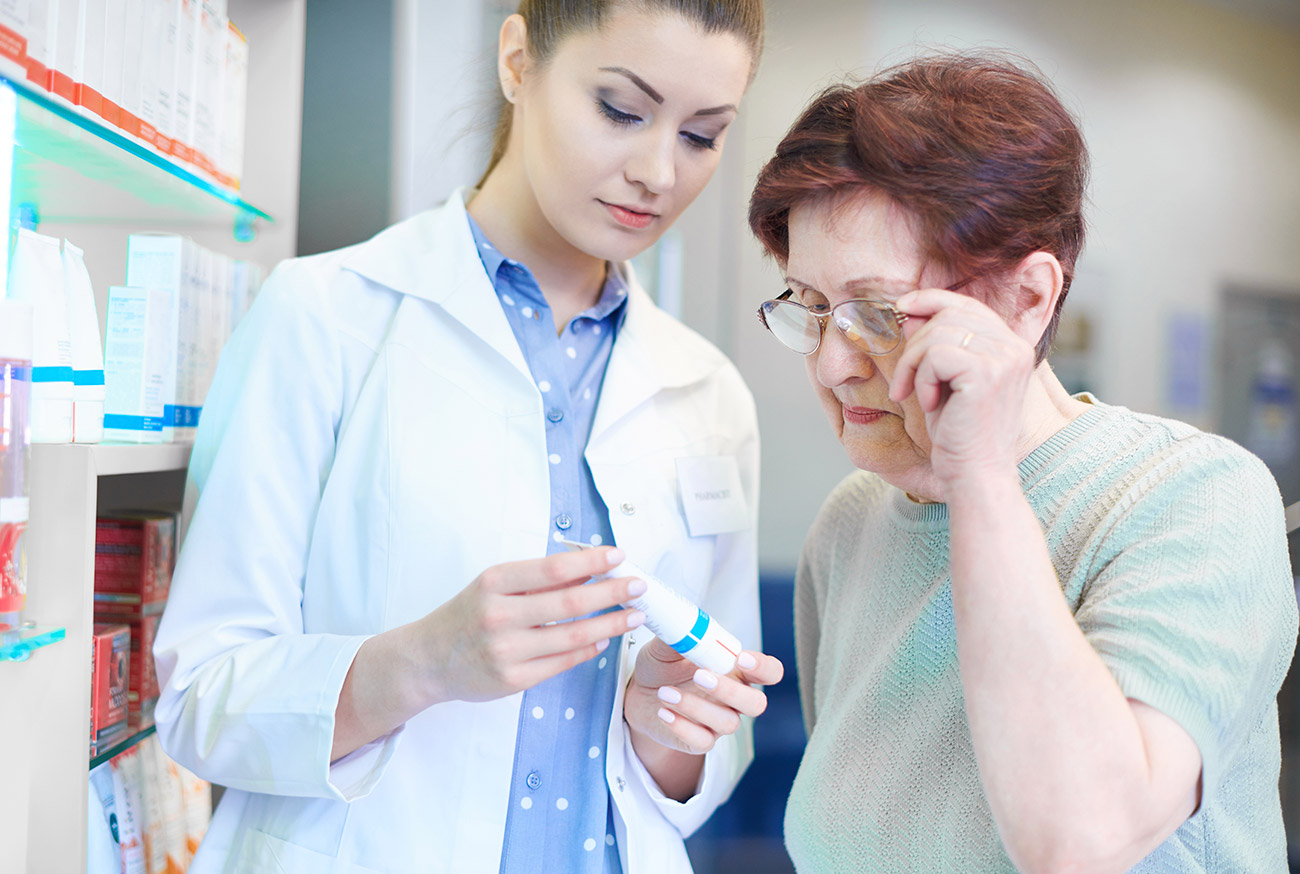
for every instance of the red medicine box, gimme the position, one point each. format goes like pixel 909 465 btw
pixel 110 671
pixel 134 556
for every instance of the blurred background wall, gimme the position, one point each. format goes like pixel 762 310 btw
pixel 1186 302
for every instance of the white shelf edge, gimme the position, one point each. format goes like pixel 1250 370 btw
pixel 114 459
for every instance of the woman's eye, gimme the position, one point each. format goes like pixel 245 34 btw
pixel 695 141
pixel 617 116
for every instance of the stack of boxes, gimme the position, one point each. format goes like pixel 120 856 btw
pixel 134 558
pixel 173 74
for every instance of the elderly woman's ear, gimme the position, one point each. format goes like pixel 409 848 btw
pixel 1038 281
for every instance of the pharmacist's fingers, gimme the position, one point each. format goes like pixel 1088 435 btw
pixel 683 733
pixel 730 692
pixel 757 667
pixel 525 675
pixel 570 602
pixel 566 636
pixel 552 572
pixel 700 709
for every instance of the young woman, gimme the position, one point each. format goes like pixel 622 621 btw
pixel 1035 632
pixel 376 637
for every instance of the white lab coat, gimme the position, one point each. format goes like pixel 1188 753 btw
pixel 372 441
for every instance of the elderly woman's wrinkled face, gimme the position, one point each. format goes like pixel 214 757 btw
pixel 858 247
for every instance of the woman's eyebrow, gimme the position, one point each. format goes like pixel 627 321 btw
pixel 637 81
pixel 856 282
pixel 659 98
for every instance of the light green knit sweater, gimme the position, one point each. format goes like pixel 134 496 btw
pixel 1171 551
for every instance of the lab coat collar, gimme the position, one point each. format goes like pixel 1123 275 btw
pixel 433 256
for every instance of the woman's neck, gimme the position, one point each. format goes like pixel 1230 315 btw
pixel 509 215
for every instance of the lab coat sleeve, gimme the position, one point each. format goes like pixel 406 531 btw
pixel 733 600
pixel 247 695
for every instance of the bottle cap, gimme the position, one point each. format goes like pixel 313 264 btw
pixel 15 330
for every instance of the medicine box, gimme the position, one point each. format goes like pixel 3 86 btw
pixel 110 671
pixel 133 563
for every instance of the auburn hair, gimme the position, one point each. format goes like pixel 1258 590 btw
pixel 975 146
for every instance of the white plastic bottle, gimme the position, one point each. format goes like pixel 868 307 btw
pixel 676 621
pixel 36 277
pixel 87 349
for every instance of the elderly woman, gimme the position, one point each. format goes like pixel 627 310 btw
pixel 1035 631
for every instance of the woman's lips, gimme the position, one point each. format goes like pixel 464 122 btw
pixel 862 415
pixel 629 217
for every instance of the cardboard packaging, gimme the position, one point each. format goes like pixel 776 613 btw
pixel 110 671
pixel 134 557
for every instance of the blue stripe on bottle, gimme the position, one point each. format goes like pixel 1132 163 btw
pixel 694 636
pixel 51 374
pixel 119 422
pixel 87 377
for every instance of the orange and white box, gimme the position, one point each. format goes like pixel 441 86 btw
pixel 42 21
pixel 90 44
pixel 234 100
pixel 66 68
pixel 133 37
pixel 114 47
pixel 187 66
pixel 15 18
pixel 211 50
pixel 168 24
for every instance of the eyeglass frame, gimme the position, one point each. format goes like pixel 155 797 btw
pixel 899 318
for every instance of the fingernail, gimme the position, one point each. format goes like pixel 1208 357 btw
pixel 706 679
pixel 670 694
pixel 747 661
pixel 635 588
pixel 667 716
pixel 603 645
pixel 635 618
pixel 615 556
pixel 905 299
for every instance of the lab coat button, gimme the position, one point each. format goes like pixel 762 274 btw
pixel 534 780
pixel 628 509
pixel 563 522
pixel 554 415
pixel 621 783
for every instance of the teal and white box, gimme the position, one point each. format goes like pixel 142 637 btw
pixel 170 262
pixel 139 363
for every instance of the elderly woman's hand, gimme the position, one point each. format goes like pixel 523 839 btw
pixel 969 371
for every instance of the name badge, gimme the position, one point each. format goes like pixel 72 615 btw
pixel 712 497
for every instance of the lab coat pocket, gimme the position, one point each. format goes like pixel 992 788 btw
pixel 266 854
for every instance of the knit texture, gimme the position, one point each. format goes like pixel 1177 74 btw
pixel 1171 551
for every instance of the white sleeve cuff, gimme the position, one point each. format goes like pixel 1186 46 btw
pixel 355 775
pixel 723 767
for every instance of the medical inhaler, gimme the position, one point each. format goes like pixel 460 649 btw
pixel 676 621
pixel 15 397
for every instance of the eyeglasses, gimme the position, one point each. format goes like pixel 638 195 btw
pixel 873 326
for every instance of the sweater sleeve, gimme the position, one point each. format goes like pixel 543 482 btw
pixel 1190 600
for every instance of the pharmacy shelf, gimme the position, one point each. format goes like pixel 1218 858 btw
pixel 70 166
pixel 121 746
pixel 55 684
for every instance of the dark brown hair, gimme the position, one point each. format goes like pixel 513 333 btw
pixel 551 22
pixel 976 147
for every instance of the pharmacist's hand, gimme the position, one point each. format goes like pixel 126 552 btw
pixel 495 638
pixel 686 708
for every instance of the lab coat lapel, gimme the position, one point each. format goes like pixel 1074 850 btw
pixel 653 352
pixel 432 256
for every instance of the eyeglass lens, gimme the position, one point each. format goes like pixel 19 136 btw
pixel 868 325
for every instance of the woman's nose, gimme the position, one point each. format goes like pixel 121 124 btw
pixel 653 164
pixel 839 361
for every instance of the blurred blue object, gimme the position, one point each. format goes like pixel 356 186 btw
pixel 745 836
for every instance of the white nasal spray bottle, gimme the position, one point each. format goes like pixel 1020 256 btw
pixel 676 621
